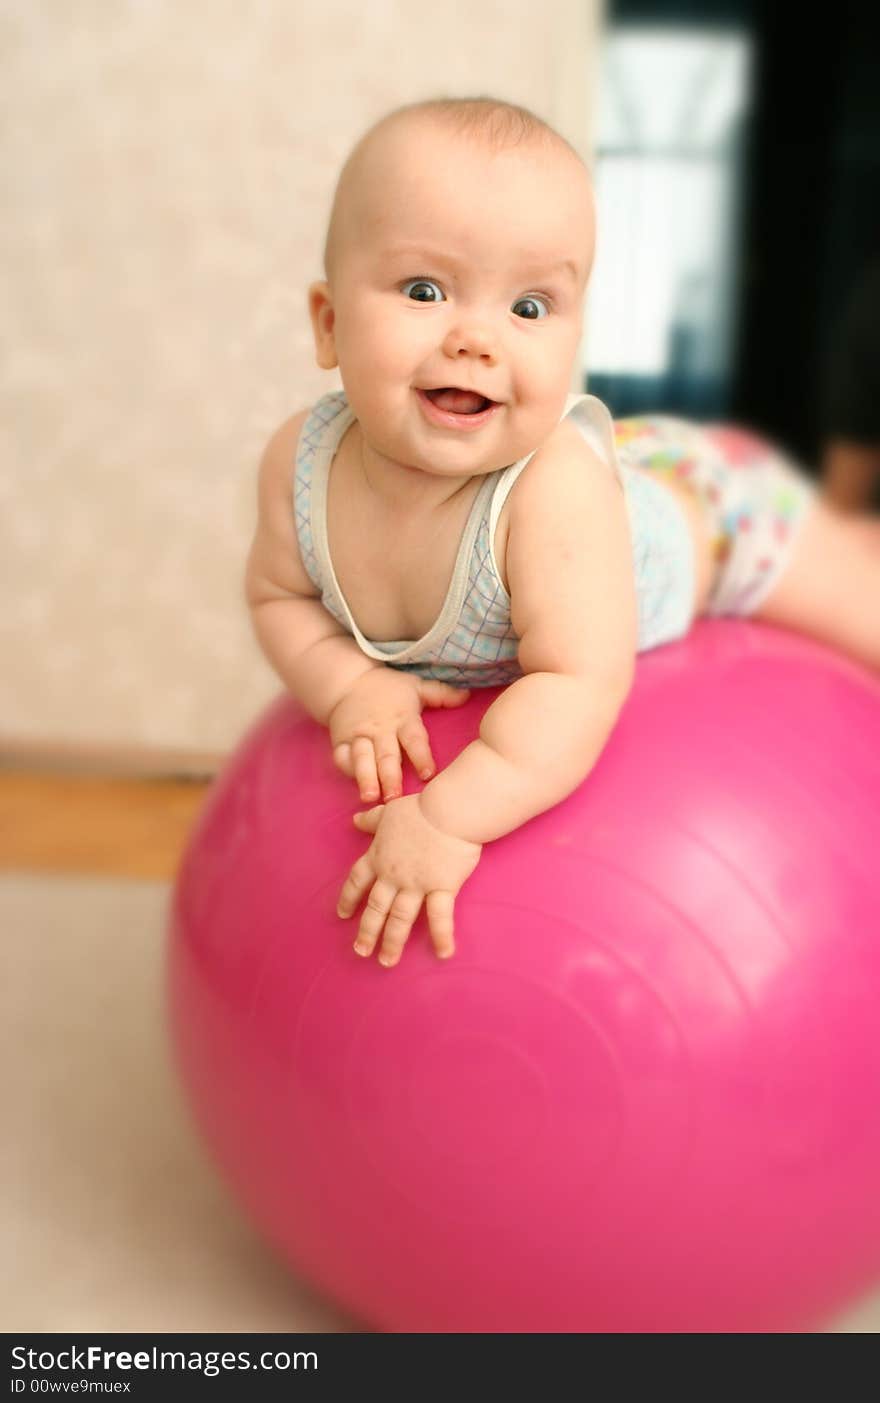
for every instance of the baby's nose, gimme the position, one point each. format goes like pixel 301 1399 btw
pixel 473 339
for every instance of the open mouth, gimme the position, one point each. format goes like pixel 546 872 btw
pixel 452 408
pixel 456 401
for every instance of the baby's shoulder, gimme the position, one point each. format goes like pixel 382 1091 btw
pixel 564 492
pixel 563 476
pixel 282 448
pixel 275 473
pixel 282 444
pixel 275 555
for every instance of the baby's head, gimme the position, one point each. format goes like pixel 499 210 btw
pixel 458 252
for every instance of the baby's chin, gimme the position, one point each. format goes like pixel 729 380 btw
pixel 464 459
pixel 443 465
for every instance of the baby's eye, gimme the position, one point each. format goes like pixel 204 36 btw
pixel 423 290
pixel 531 308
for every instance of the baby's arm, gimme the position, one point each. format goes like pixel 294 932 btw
pixel 573 607
pixel 373 712
pixel 316 659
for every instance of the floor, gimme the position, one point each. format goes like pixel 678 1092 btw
pixel 111 1216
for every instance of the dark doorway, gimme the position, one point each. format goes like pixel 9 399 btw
pixel 807 222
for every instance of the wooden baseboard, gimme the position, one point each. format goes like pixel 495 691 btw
pixel 99 825
pixel 119 761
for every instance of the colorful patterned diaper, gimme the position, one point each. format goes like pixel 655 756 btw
pixel 755 498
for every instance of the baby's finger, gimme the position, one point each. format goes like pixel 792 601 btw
pixel 388 767
pixel 440 906
pixel 415 741
pixel 369 820
pixel 363 759
pixel 355 886
pixel 379 901
pixel 435 693
pixel 342 759
pixel 405 908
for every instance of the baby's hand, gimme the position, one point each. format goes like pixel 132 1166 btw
pixel 379 719
pixel 409 861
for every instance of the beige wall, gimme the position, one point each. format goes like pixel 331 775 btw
pixel 168 169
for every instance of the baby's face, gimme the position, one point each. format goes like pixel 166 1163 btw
pixel 459 269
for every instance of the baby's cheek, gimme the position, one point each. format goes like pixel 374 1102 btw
pixel 546 378
pixel 537 418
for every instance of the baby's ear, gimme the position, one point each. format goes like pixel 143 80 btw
pixel 323 320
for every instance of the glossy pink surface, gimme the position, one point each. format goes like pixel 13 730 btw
pixel 645 1093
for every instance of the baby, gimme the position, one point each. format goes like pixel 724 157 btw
pixel 456 519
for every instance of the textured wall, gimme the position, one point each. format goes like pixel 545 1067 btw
pixel 167 171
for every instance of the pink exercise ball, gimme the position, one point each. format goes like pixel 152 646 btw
pixel 645 1093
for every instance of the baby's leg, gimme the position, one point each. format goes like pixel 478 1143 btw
pixel 830 584
pixel 800 564
pixel 780 554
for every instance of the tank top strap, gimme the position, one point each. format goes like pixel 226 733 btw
pixel 319 439
pixel 595 423
pixel 505 481
pixel 593 418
